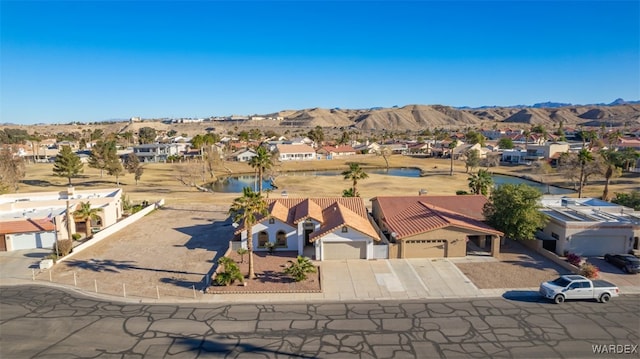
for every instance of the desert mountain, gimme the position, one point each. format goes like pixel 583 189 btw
pixel 418 117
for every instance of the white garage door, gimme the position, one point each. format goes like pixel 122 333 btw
pixel 596 246
pixel 344 250
pixel 32 240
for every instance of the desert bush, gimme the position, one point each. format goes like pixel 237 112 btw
pixel 241 252
pixel 299 268
pixel 64 247
pixel 589 270
pixel 230 272
pixel 76 236
pixel 270 247
pixel 574 259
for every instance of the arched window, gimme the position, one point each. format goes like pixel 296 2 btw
pixel 281 239
pixel 263 238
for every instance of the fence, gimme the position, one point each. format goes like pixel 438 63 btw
pixel 87 282
pixel 112 229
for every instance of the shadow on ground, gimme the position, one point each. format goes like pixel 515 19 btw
pixel 528 296
pixel 108 265
pixel 233 345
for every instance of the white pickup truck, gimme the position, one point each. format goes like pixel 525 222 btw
pixel 578 287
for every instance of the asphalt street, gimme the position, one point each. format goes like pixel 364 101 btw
pixel 45 322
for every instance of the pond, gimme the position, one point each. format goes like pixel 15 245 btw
pixel 233 184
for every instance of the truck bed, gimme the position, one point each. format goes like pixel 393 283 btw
pixel 602 284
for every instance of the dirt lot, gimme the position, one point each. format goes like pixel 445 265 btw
pixel 172 249
pixel 518 267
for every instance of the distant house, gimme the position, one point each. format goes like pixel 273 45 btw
pixel 156 152
pixel 295 152
pixel 244 155
pixel 434 226
pixel 588 227
pixel 336 151
pixel 330 228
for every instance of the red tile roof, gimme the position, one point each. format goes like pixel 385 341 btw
pixel 349 211
pixel 27 225
pixel 408 216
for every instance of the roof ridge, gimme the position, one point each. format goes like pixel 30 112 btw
pixel 436 210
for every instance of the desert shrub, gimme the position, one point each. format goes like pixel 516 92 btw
pixel 241 252
pixel 64 247
pixel 270 246
pixel 461 192
pixel 76 236
pixel 589 270
pixel 574 259
pixel 230 272
pixel 299 268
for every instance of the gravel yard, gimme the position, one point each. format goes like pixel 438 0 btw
pixel 167 252
pixel 517 267
pixel 270 277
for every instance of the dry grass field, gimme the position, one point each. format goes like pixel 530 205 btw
pixel 161 180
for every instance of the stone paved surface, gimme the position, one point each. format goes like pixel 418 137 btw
pixel 46 322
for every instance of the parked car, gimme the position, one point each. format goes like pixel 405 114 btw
pixel 627 262
pixel 578 287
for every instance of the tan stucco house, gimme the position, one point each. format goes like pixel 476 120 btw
pixel 433 226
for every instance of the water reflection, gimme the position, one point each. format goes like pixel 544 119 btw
pixel 232 184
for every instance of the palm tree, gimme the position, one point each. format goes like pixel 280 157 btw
pixel 299 268
pixel 612 162
pixel 584 157
pixel 452 145
pixel 262 161
pixel 355 173
pixel 246 209
pixel 87 214
pixel 480 182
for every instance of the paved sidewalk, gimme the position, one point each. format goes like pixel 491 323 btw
pixel 342 280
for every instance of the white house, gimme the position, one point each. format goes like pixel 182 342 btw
pixel 295 152
pixel 329 228
pixel 35 220
pixel 588 226
pixel 244 155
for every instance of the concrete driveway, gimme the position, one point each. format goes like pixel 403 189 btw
pixel 615 275
pixel 18 265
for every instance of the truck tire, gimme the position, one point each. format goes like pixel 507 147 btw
pixel 558 299
pixel 605 297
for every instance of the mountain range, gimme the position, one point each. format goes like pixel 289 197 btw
pixel 418 117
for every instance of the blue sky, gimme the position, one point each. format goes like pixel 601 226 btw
pixel 98 60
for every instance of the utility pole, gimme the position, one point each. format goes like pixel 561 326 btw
pixel 68 221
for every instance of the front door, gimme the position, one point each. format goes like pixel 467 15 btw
pixel 3 243
pixel 307 232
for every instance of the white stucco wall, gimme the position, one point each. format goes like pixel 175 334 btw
pixel 272 230
pixel 591 229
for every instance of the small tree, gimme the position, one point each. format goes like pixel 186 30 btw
pixel 67 164
pixel 472 161
pixel 452 146
pixel 132 165
pixel 354 173
pixel 481 182
pixel 115 168
pixel 230 272
pixel 515 210
pixel 12 170
pixel 299 268
pixel 87 214
pixel 505 143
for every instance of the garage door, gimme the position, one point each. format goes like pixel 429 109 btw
pixel 596 246
pixel 32 240
pixel 424 248
pixel 344 250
